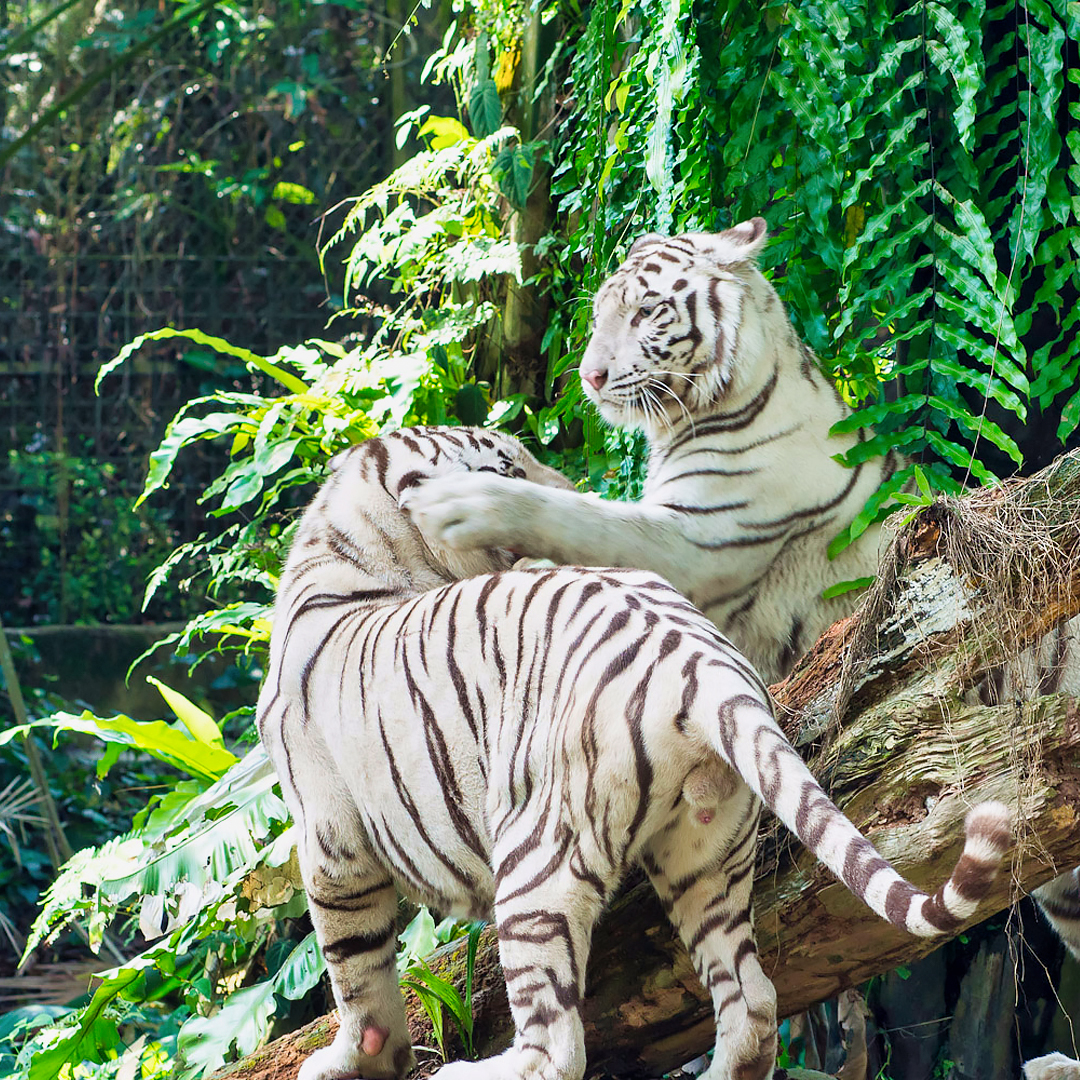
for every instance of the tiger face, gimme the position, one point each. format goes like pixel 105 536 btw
pixel 674 325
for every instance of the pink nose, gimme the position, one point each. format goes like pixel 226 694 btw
pixel 595 378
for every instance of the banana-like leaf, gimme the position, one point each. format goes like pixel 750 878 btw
pixel 96 1037
pixel 199 723
pixel 206 1043
pixel 227 824
pixel 155 737
pixel 202 839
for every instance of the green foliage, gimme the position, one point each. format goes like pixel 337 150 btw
pixel 434 992
pixel 924 206
pixel 205 1044
pixel 914 200
pixel 69 510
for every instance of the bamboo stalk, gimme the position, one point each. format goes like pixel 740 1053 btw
pixel 55 839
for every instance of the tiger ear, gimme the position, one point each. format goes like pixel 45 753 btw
pixel 645 241
pixel 335 463
pixel 737 244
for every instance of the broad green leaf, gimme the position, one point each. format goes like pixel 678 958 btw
pixel 1070 417
pixel 155 737
pixel 243 1022
pixel 96 1036
pixel 879 445
pixel 485 108
pixel 228 823
pixel 418 939
pixel 290 192
pixel 471 405
pixel 841 588
pixel 870 415
pixel 179 434
pixel 201 724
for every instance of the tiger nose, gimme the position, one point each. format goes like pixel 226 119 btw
pixel 595 378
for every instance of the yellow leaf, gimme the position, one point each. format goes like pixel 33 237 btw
pixel 854 219
pixel 504 71
pixel 446 131
pixel 200 724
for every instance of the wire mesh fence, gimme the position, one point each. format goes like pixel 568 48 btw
pixel 183 192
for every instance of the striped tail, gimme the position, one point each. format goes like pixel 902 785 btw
pixel 752 743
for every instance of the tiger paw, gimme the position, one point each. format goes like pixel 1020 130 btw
pixel 515 1065
pixel 372 1055
pixel 1052 1067
pixel 464 510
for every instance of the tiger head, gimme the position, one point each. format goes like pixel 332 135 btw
pixel 679 327
pixel 361 502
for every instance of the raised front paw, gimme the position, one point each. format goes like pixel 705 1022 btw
pixel 1052 1067
pixel 463 510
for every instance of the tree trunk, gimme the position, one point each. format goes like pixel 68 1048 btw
pixel 892 711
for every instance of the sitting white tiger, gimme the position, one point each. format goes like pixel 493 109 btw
pixel 514 743
pixel 692 345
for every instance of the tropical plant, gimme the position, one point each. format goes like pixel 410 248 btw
pixel 923 194
pixel 435 992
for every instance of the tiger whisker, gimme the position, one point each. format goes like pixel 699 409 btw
pixel 688 375
pixel 682 405
pixel 661 411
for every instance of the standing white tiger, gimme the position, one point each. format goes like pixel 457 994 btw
pixel 516 742
pixel 692 345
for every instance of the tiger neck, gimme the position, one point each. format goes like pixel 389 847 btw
pixel 346 574
pixel 791 405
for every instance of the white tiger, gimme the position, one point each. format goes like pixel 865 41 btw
pixel 692 345
pixel 514 743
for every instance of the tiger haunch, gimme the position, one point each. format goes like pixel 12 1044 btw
pixel 514 743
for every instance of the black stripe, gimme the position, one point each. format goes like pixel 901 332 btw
pixel 337 952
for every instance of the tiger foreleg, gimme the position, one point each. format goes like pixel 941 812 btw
pixel 707 898
pixel 353 905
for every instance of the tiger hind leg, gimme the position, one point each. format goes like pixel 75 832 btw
pixel 703 877
pixel 544 935
pixel 1060 903
pixel 353 905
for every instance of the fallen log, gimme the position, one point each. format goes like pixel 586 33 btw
pixel 895 711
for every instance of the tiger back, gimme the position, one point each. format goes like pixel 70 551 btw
pixel 692 345
pixel 511 744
